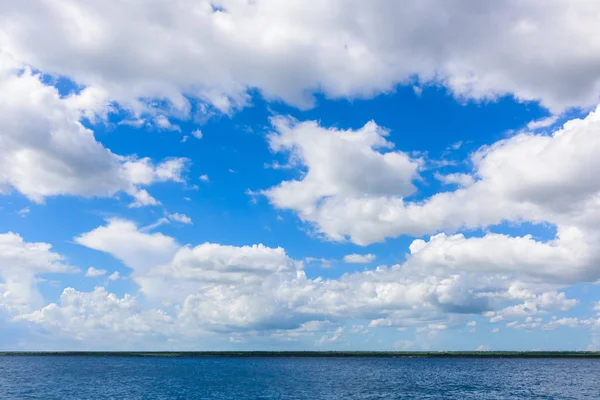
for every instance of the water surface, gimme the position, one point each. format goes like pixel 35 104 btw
pixel 85 377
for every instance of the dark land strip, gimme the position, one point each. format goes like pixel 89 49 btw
pixel 342 354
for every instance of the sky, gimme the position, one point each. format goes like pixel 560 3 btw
pixel 299 175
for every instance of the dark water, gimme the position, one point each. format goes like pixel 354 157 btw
pixel 296 378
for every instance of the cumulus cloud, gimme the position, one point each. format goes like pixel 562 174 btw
pixel 213 287
pixel 331 337
pixel 572 322
pixel 46 150
pixel 359 258
pixel 197 133
pixel 163 122
pixel 142 198
pixel 124 241
pixel 142 171
pixel 219 287
pixel 530 177
pixel 21 263
pixel 463 180
pixel 114 276
pixel 531 323
pixel 542 123
pixel 94 273
pixel 135 50
pixel 351 184
pixel 181 218
pixel 533 304
pixel 528 324
pixel 98 314
pixel 339 164
pixel 568 259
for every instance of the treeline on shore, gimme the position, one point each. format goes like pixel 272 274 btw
pixel 388 354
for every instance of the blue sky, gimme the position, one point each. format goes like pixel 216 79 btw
pixel 334 183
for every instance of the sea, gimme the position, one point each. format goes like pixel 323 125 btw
pixel 296 378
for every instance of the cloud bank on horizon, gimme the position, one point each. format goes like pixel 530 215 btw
pixel 299 175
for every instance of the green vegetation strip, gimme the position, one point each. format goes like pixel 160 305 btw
pixel 403 354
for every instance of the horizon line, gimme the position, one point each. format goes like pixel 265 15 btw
pixel 321 353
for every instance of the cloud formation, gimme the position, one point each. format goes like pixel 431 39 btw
pixel 94 272
pixel 530 177
pixel 345 49
pixel 219 288
pixel 21 265
pixel 359 258
pixel 46 151
pixel 67 67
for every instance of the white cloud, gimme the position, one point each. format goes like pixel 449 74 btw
pixel 142 199
pixel 331 337
pixel 21 263
pixel 463 180
pixel 351 184
pixel 326 154
pixel 24 211
pixel 94 273
pixel 359 258
pixel 136 123
pixel 204 178
pixel 528 324
pixel 542 123
pixel 500 277
pixel 323 262
pixel 197 134
pixel 122 240
pixel 220 288
pixel 255 287
pixel 572 322
pixel 163 122
pixel 343 48
pixel 566 322
pixel 114 276
pixel 181 218
pixel 227 288
pixel 455 146
pixel 358 329
pixel 535 303
pixel 46 151
pixel 530 177
pixel 142 171
pixel 593 324
pixel 99 315
pixel 567 259
pixel 218 285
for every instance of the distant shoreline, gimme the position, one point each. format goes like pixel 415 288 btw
pixel 316 354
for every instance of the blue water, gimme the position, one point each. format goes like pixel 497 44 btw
pixel 296 378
